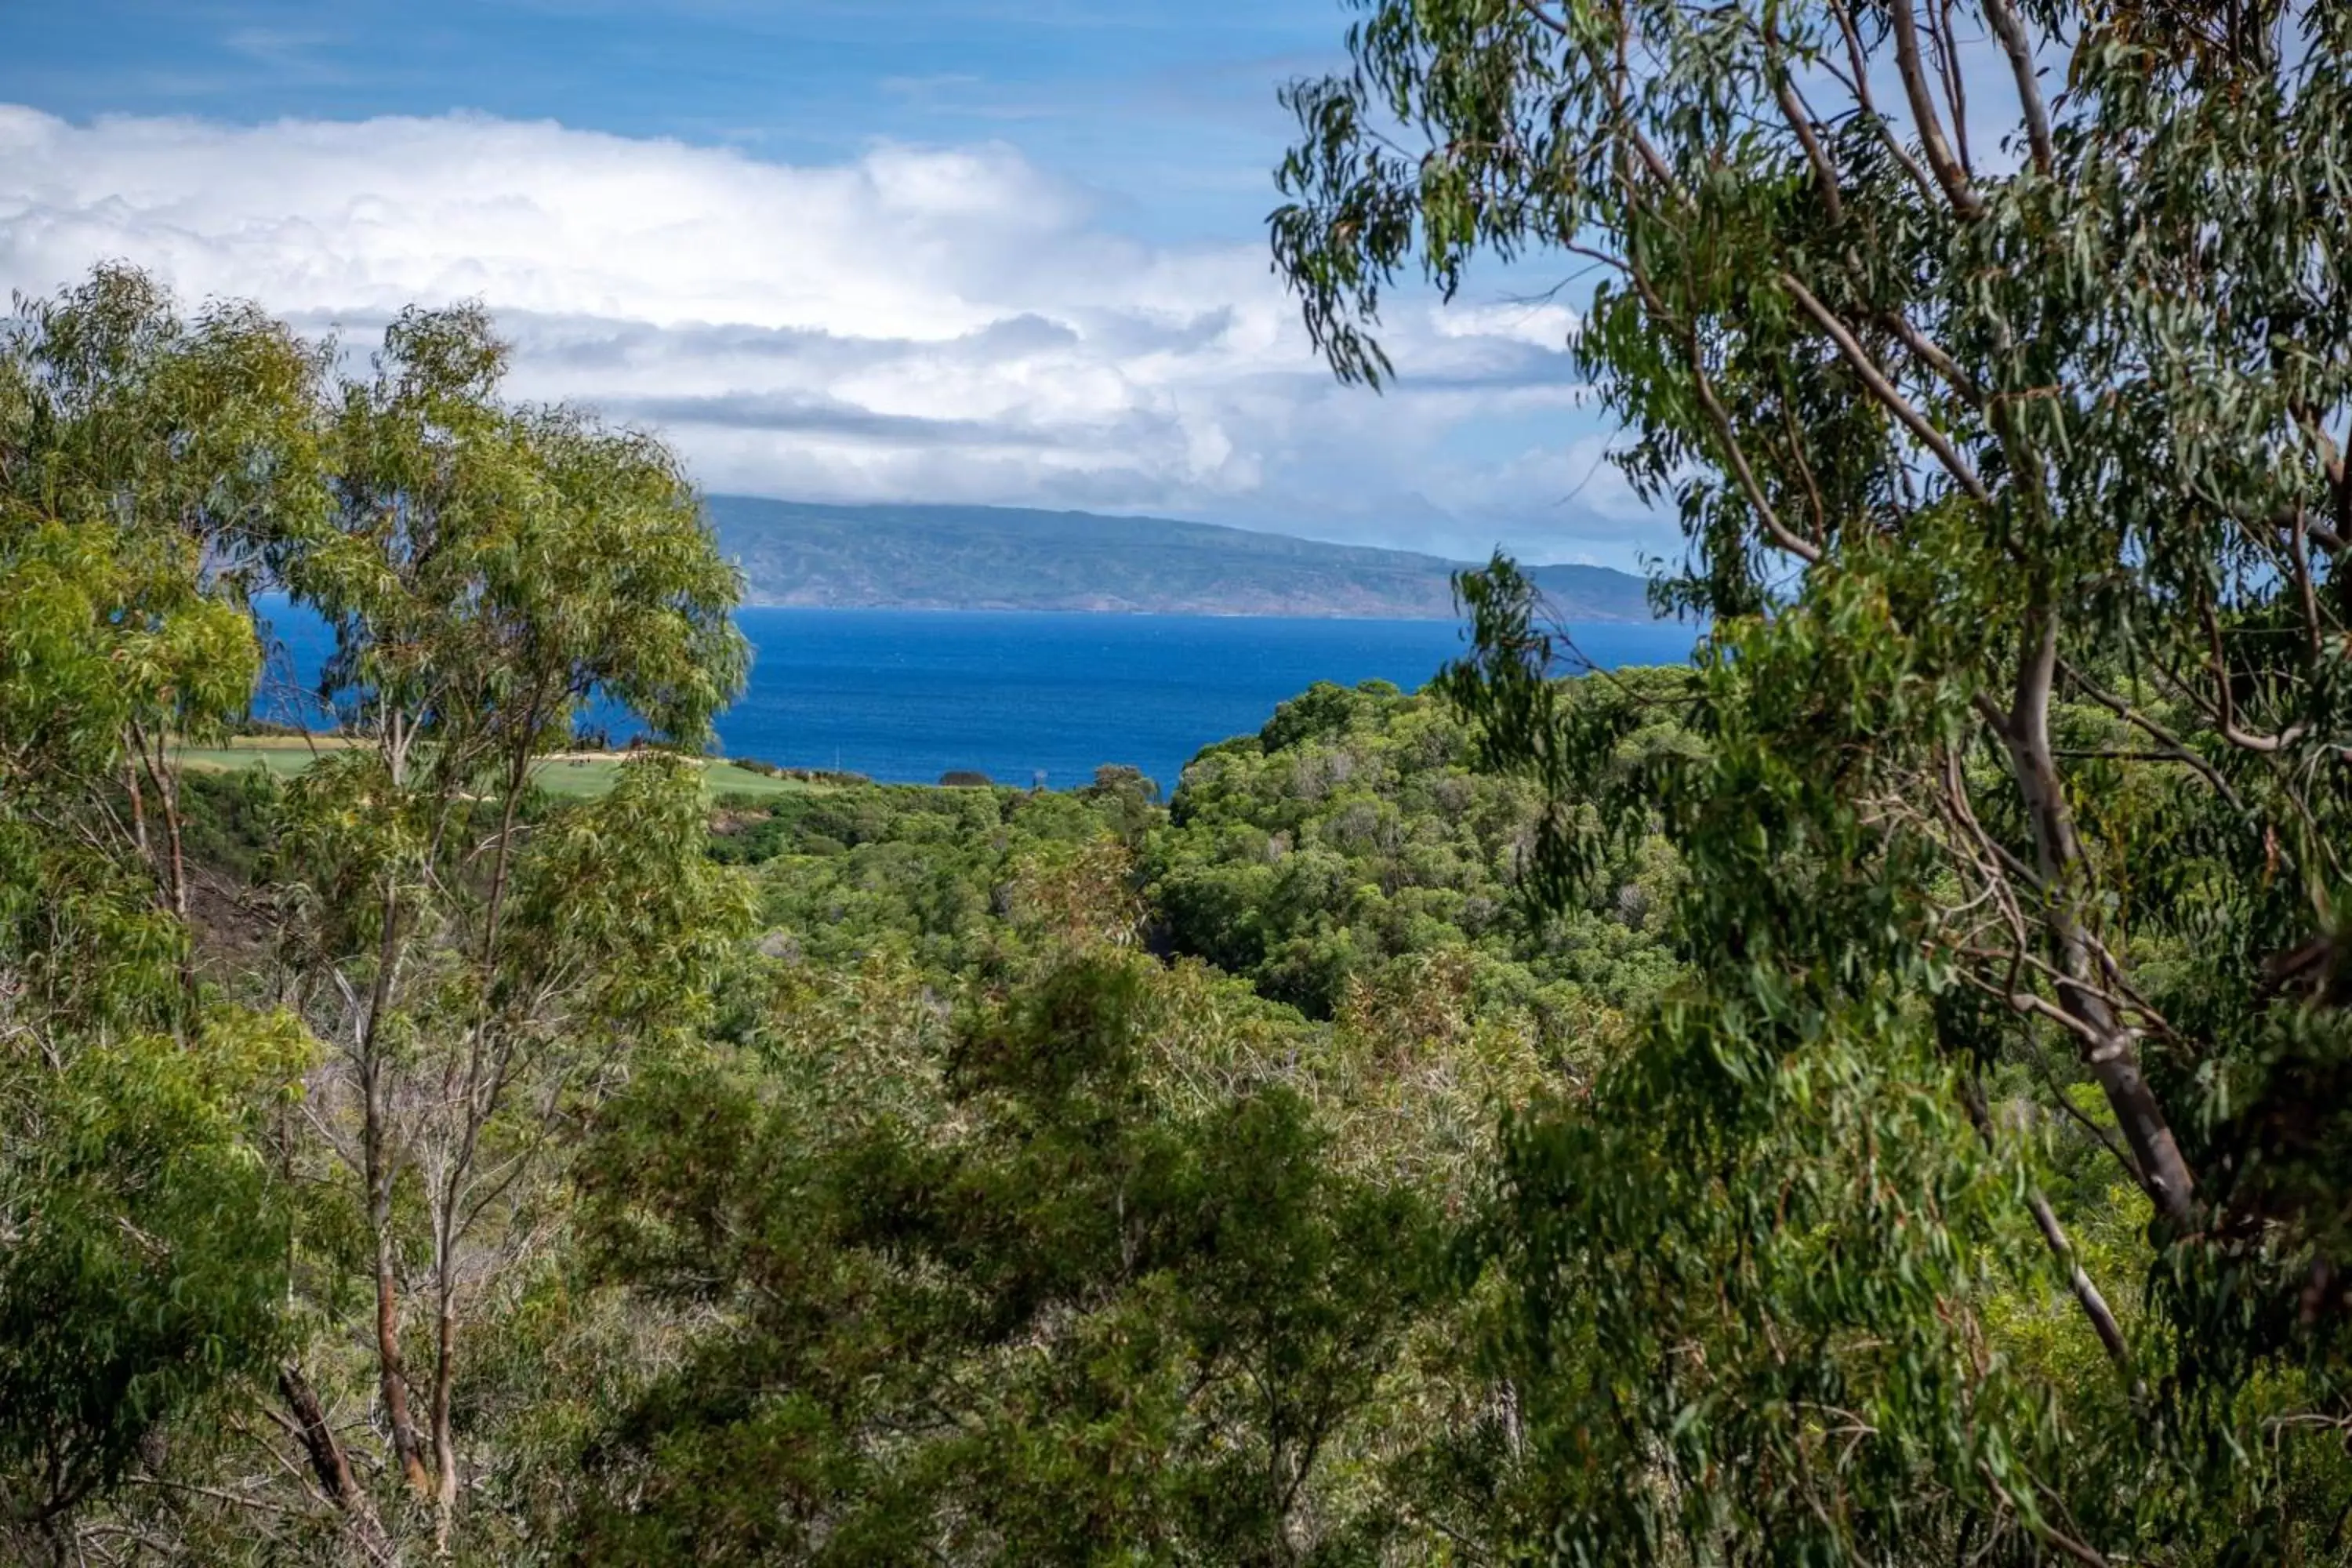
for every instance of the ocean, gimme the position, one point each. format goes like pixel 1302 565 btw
pixel 904 696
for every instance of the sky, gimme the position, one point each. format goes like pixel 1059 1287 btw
pixel 911 250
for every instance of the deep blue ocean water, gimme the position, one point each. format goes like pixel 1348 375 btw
pixel 906 695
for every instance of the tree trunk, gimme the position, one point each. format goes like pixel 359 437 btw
pixel 517 774
pixel 168 792
pixel 138 804
pixel 444 1445
pixel 331 1464
pixel 392 1375
pixel 172 868
pixel 2106 1048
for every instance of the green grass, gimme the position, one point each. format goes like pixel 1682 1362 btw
pixel 581 778
pixel 282 756
pixel 567 778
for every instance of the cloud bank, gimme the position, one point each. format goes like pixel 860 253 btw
pixel 916 324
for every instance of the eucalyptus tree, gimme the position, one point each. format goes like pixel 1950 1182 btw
pixel 1997 358
pixel 145 457
pixel 488 571
pixel 186 454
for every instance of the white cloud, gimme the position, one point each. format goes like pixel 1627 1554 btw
pixel 1544 325
pixel 946 324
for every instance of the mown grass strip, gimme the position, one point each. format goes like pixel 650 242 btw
pixel 569 776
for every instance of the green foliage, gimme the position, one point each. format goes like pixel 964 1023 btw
pixel 957 878
pixel 144 1253
pixel 1352 831
pixel 988 1238
pixel 467 965
pixel 486 962
pixel 1059 1308
pixel 119 415
pixel 142 1235
pixel 492 568
pixel 1875 1096
pixel 661 919
pixel 2014 484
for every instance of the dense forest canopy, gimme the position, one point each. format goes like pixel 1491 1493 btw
pixel 1873 1095
pixel 854 1172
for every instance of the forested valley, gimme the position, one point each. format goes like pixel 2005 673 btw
pixel 403 1160
pixel 1876 1095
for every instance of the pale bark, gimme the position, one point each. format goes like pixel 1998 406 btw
pixel 2108 1047
pixel 1950 173
pixel 377 1161
pixel 2087 1296
pixel 445 1443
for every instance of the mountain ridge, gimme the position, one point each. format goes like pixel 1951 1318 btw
pixel 817 555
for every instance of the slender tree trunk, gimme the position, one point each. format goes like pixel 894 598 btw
pixel 444 1240
pixel 517 774
pixel 445 1363
pixel 2107 1049
pixel 2086 1291
pixel 175 869
pixel 392 1375
pixel 376 1158
pixel 331 1464
pixel 138 802
pixel 168 793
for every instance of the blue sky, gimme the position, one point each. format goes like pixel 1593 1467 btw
pixel 903 249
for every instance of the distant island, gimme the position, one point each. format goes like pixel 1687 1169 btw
pixel 1007 558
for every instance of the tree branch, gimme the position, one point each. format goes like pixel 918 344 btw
pixel 1948 172
pixel 2053 1236
pixel 1885 392
pixel 1861 87
pixel 1801 123
pixel 2174 746
pixel 1942 364
pixel 2009 28
pixel 1802 549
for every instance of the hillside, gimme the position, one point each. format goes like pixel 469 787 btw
pixel 1002 558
